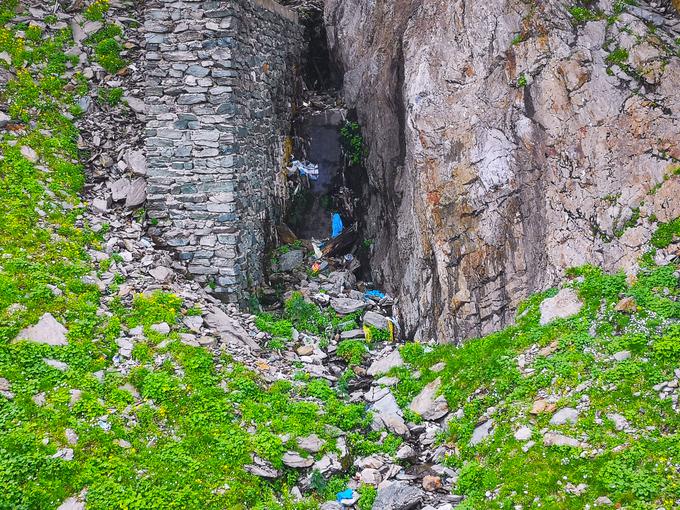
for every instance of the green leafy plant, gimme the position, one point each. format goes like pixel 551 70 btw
pixel 352 351
pixel 96 10
pixel 666 233
pixel 353 142
pixel 522 81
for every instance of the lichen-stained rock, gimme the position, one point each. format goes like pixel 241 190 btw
pixel 506 142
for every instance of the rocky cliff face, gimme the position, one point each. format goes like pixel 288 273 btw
pixel 507 141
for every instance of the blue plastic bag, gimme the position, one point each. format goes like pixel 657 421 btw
pixel 376 294
pixel 337 225
pixel 346 494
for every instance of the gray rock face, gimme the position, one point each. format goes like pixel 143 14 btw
pixel 487 189
pixel 46 331
pixel 565 304
pixel 398 496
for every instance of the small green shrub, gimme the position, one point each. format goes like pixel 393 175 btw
pixel 96 10
pixel 352 351
pixel 155 308
pixel 353 142
pixel 368 495
pixel 107 53
pixel 618 57
pixel 276 327
pixel 666 233
pixel 580 15
pixel 110 96
pixel 522 81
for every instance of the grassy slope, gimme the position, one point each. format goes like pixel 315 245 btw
pixel 198 419
pixel 188 429
pixel 636 470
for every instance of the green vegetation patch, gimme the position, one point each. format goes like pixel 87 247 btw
pixel 353 142
pixel 637 467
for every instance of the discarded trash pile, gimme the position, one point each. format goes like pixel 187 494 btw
pixel 348 337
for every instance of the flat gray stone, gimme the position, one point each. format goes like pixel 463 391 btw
pixel 262 471
pixel 161 274
pixel 620 422
pixel 295 460
pixel 120 189
pixel 387 411
pixel 163 328
pixel 622 355
pixel 29 153
pixel 136 161
pixel 427 404
pixel 312 443
pixel 193 322
pixel 555 439
pixel 564 415
pixel 136 105
pixel 523 434
pixel 55 363
pixel 398 496
pixel 231 332
pixel 331 505
pixel 376 320
pixel 565 304
pixel 46 331
pixel 386 363
pixel 72 503
pixel 353 333
pixel 481 432
pixel 345 306
pixel 136 195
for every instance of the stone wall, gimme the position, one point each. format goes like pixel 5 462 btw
pixel 221 78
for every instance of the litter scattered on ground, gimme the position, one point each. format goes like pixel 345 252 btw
pixel 346 494
pixel 340 243
pixel 304 168
pixel 374 294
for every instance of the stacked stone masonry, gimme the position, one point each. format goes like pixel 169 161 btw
pixel 221 79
